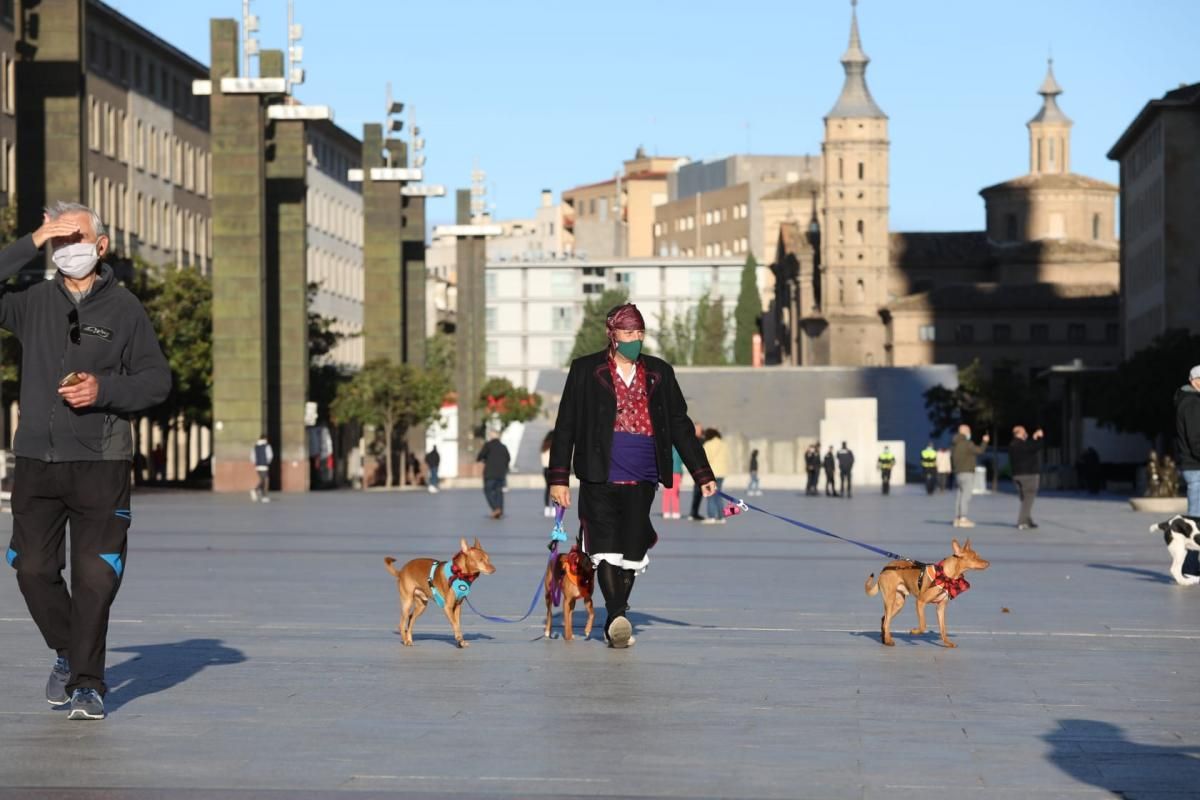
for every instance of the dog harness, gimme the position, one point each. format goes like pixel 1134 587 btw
pixel 953 586
pixel 460 582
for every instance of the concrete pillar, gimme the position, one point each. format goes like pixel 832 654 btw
pixel 287 304
pixel 239 269
pixel 469 337
pixel 383 257
pixel 52 131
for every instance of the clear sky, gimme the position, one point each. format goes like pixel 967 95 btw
pixel 544 94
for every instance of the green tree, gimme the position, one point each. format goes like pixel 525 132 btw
pixel 10 348
pixel 179 304
pixel 392 397
pixel 593 333
pixel 1139 398
pixel 709 341
pixel 324 378
pixel 506 403
pixel 746 313
pixel 676 337
pixel 440 354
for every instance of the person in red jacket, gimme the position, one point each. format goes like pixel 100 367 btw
pixel 621 413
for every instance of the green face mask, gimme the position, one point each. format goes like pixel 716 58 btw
pixel 630 350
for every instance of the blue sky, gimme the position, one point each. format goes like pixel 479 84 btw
pixel 555 94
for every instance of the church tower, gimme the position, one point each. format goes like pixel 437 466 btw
pixel 1050 132
pixel 854 225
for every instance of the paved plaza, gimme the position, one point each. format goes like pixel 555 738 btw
pixel 252 653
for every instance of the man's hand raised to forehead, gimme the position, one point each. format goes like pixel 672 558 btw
pixel 52 229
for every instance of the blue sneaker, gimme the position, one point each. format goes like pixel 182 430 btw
pixel 56 684
pixel 86 704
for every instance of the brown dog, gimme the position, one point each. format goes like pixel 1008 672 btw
pixel 573 574
pixel 421 578
pixel 928 583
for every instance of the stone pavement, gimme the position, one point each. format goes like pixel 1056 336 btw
pixel 252 655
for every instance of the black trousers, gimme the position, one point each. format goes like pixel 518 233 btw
pixel 885 475
pixel 830 485
pixel 93 496
pixel 847 491
pixel 930 480
pixel 616 519
pixel 811 488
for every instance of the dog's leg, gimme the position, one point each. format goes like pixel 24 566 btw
pixel 1178 550
pixel 591 616
pixel 455 617
pixel 405 606
pixel 418 608
pixel 549 612
pixel 568 616
pixel 893 601
pixel 941 612
pixel 917 631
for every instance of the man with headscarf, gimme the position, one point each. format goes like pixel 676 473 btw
pixel 621 413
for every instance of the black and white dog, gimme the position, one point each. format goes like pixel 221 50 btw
pixel 1181 534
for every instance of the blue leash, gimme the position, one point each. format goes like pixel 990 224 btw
pixel 557 535
pixel 743 504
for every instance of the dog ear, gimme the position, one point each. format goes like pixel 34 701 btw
pixel 477 545
pixel 966 545
pixel 957 549
pixel 463 546
pixel 1182 525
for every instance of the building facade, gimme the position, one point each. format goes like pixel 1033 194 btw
pixel 1159 154
pixel 534 309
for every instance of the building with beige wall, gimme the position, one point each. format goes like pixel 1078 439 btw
pixel 615 218
pixel 1159 154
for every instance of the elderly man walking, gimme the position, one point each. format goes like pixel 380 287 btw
pixel 89 359
pixel 1187 437
pixel 963 453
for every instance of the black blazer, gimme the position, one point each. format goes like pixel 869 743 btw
pixel 588 411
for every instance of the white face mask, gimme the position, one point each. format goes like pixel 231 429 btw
pixel 76 260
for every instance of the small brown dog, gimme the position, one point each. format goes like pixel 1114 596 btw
pixel 573 575
pixel 447 583
pixel 928 583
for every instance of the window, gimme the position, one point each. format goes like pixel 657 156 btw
pixel 1002 333
pixel 1057 226
pixel 699 281
pixel 625 279
pixel 861 230
pixel 493 353
pixel 927 333
pixel 840 175
pixel 562 283
pixel 1039 332
pixel 489 284
pixel 862 170
pixel 10 86
pixel 860 293
pixel 560 351
pixel 841 291
pixel 708 218
pixel 1095 226
pixel 562 319
pixel 1010 227
pixel 1112 333
pixel 490 319
pixel 964 333
pixel 1076 333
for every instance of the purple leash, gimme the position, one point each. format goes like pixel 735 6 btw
pixel 557 535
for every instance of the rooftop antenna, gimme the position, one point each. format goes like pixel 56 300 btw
pixel 478 192
pixel 249 43
pixel 295 51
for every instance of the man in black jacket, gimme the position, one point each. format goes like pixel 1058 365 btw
pixel 1187 437
pixel 495 458
pixel 845 460
pixel 89 359
pixel 1024 457
pixel 621 413
pixel 812 465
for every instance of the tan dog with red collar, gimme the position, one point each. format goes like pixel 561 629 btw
pixel 420 578
pixel 928 583
pixel 573 575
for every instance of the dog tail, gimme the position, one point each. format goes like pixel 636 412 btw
pixel 389 561
pixel 872 586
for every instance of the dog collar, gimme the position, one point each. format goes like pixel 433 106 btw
pixel 953 586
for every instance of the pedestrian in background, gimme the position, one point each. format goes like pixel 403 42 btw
pixel 1025 459
pixel 963 455
pixel 752 489
pixel 89 360
pixel 261 456
pixel 929 467
pixel 548 506
pixel 845 460
pixel 158 461
pixel 1187 437
pixel 670 501
pixel 718 460
pixel 887 462
pixel 944 469
pixel 812 465
pixel 495 458
pixel 433 460
pixel 830 464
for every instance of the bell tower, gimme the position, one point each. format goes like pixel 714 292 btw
pixel 1050 131
pixel 854 240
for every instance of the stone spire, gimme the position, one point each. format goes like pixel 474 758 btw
pixel 855 100
pixel 1049 131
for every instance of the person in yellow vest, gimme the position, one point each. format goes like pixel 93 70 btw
pixel 887 462
pixel 929 467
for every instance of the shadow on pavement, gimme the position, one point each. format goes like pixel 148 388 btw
pixel 1154 576
pixel 1097 753
pixel 157 667
pixel 448 638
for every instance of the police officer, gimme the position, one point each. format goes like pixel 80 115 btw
pixel 929 467
pixel 887 462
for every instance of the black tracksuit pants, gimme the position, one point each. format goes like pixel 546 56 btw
pixel 94 497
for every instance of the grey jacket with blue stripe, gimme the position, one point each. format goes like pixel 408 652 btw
pixel 117 344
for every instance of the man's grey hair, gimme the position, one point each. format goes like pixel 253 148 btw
pixel 60 207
